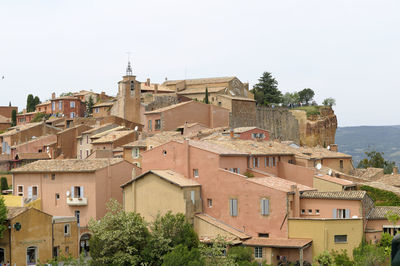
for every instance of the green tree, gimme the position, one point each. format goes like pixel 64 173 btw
pixel 30 104
pixel 214 254
pixel 392 217
pixel 240 254
pixel 375 159
pixel 306 95
pixel 369 255
pixel 266 90
pixel 4 183
pixel 119 238
pixel 329 102
pixel 290 98
pixel 341 258
pixel 14 118
pixel 89 105
pixel 36 101
pixel 3 216
pixel 324 259
pixel 206 97
pixel 182 256
pixel 66 94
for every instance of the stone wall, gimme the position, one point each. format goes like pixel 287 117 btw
pixel 160 101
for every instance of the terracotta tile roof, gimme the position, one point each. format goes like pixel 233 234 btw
pixel 104 104
pixel 160 88
pixel 189 125
pixel 379 212
pixel 223 226
pixel 383 186
pixel 104 133
pixel 156 139
pixel 100 129
pixel 15 211
pixel 113 136
pixel 199 81
pixel 201 90
pixel 32 140
pixel 278 242
pixel 167 108
pixel 34 156
pixel 345 195
pixel 219 149
pixel 278 183
pixel 393 180
pixel 339 181
pixel 44 103
pixel 319 153
pixel 242 129
pixel 20 128
pixel 170 176
pixel 66 165
pixel 237 98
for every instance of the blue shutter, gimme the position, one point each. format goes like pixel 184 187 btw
pixel 267 206
pixel 72 192
pixel 347 213
pixel 82 195
pixel 235 207
pixel 334 213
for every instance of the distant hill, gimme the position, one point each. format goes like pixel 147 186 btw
pixel 357 140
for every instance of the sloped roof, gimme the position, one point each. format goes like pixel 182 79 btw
pixel 278 183
pixel 15 211
pixel 66 165
pixel 104 133
pixel 156 139
pixel 278 242
pixel 219 149
pixel 104 104
pixel 199 81
pixel 113 136
pixel 379 212
pixel 20 128
pixel 236 98
pixel 339 181
pixel 345 195
pixel 201 90
pixel 34 156
pixel 223 226
pixel 160 110
pixel 170 176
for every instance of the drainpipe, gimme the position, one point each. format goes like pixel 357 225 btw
pixel 9 236
pixel 186 143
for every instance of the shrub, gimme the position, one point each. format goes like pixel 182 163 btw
pixel 4 183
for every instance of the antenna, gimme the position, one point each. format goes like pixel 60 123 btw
pixel 129 68
pixel 319 166
pixel 136 128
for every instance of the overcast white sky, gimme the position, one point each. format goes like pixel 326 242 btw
pixel 348 50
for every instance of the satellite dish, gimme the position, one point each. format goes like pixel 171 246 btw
pixel 136 128
pixel 68 193
pixel 319 166
pixel 330 172
pixel 354 217
pixel 329 147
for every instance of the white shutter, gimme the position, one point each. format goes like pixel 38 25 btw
pixel 192 194
pixel 347 213
pixel 82 195
pixel 238 170
pixel 30 195
pixel 235 207
pixel 267 206
pixel 72 192
pixel 334 212
pixel 231 207
pixel 262 207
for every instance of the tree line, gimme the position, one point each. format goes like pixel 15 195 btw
pixel 266 93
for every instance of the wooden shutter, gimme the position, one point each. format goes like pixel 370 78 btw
pixel 334 213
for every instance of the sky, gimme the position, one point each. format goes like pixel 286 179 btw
pixel 345 49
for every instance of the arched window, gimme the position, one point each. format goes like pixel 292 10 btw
pixel 31 255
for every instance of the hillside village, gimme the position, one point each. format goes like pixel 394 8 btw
pixel 269 178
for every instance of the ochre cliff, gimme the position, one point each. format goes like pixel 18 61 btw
pixel 316 129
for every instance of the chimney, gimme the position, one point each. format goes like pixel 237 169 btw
pixel 148 82
pixel 296 200
pixel 231 133
pixel 24 111
pixel 185 128
pixel 53 95
pixel 155 88
pixel 395 170
pixel 334 147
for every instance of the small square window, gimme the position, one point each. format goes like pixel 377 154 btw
pixel 57 196
pixel 340 238
pixel 258 252
pixel 53 176
pixel 303 211
pixel 196 172
pixel 265 235
pixel 309 211
pixel 67 249
pixel 66 230
pixel 209 203
pixel 317 211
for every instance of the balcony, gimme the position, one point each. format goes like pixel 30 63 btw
pixel 77 201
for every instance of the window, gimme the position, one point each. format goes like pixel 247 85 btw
pixel 255 162
pixel 97 110
pixel 57 196
pixel 2 256
pixel 196 172
pixel 391 230
pixel 20 190
pixel 77 192
pixel 72 104
pixel 341 213
pixel 316 211
pixel 67 249
pixel 270 162
pixel 193 196
pixel 149 125
pixel 53 106
pixel 87 153
pixel 303 211
pixel 87 139
pixel 34 192
pixel 309 211
pixel 274 162
pixel 341 164
pixel 53 176
pixel 340 238
pixel 164 152
pixel 59 105
pixel 72 115
pixel 258 252
pixel 80 154
pixel 158 124
pixel 80 142
pixel 265 235
pixel 31 255
pixel 66 230
pixel 209 203
pixel 135 153
pixel 219 103
pixel 77 215
pixel 264 206
pixel 233 207
pixel 266 162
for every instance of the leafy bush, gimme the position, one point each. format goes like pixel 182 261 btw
pixel 4 183
pixel 369 255
pixel 341 258
pixel 39 117
pixel 324 259
pixel 310 110
pixel 382 197
pixel 240 253
pixel 248 174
